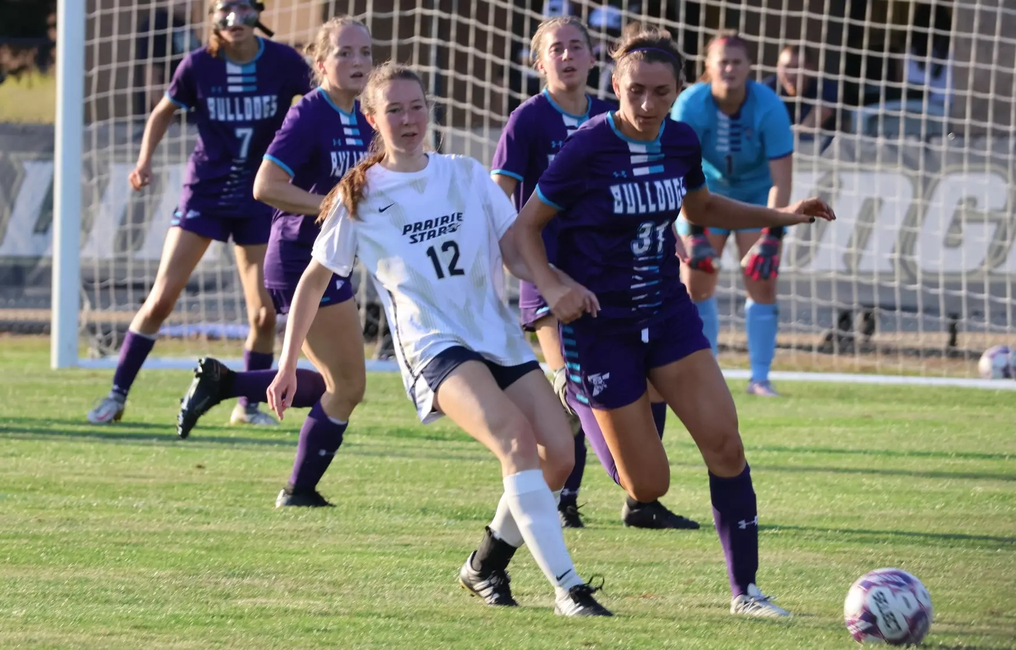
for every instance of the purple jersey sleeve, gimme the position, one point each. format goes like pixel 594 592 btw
pixel 302 75
pixel 565 179
pixel 183 88
pixel 293 143
pixel 511 158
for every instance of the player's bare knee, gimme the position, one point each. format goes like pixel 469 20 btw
pixel 558 465
pixel 764 292
pixel 726 455
pixel 262 320
pixel 518 444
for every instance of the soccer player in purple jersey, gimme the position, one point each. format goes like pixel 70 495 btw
pixel 238 88
pixel 323 137
pixel 431 232
pixel 615 189
pixel 561 50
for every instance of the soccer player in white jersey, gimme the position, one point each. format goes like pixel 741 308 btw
pixel 432 231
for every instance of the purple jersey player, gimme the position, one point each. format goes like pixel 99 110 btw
pixel 238 89
pixel 323 137
pixel 561 50
pixel 616 188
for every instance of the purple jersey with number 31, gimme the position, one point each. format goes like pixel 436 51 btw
pixel 237 108
pixel 617 200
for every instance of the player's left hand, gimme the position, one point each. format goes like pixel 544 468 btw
pixel 281 391
pixel 763 260
pixel 807 210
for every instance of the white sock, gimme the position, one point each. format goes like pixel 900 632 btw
pixel 535 513
pixel 503 525
pixel 557 497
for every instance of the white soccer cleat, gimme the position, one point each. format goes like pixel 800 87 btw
pixel 755 603
pixel 108 410
pixel 251 415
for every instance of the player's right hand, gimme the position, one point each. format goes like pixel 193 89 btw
pixel 569 300
pixel 141 176
pixel 281 391
pixel 702 256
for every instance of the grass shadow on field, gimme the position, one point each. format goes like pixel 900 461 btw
pixel 866 536
pixel 134 433
pixel 888 453
pixel 881 471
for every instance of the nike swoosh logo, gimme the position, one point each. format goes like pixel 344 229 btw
pixel 385 208
pixel 558 578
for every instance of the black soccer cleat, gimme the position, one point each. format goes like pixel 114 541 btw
pixel 654 515
pixel 570 516
pixel 492 587
pixel 301 499
pixel 210 379
pixel 579 601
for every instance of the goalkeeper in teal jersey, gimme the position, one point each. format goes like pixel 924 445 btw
pixel 747 155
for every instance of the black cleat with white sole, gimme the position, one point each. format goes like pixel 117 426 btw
pixel 210 380
pixel 570 516
pixel 492 587
pixel 579 601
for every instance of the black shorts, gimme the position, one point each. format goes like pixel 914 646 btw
pixel 448 360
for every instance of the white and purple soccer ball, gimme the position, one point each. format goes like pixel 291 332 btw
pixel 888 606
pixel 997 363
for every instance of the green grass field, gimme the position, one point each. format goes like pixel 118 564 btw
pixel 124 537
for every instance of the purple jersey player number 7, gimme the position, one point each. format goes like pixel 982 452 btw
pixel 237 88
pixel 237 108
pixel 615 189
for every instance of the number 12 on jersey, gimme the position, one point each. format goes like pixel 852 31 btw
pixel 453 262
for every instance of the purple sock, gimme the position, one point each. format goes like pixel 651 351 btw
pixel 592 432
pixel 254 361
pixel 659 416
pixel 320 438
pixel 570 492
pixel 133 353
pixel 253 386
pixel 735 514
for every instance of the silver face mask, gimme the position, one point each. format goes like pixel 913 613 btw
pixel 235 14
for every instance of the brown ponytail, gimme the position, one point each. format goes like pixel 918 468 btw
pixel 353 186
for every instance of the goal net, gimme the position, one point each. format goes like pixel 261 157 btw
pixel 916 154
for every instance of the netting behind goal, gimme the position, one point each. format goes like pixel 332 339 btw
pixel 916 276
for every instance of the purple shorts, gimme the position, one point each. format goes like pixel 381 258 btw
pixel 532 306
pixel 608 369
pixel 245 231
pixel 339 290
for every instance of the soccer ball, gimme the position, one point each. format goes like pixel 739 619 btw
pixel 888 606
pixel 996 363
